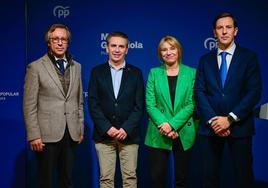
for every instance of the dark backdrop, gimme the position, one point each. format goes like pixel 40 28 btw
pixel 23 24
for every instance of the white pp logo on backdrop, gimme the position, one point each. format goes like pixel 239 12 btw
pixel 60 11
pixel 210 43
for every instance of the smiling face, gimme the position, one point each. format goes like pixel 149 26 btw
pixel 117 49
pixel 58 42
pixel 225 32
pixel 169 54
pixel 170 51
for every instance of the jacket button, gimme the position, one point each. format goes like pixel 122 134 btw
pixel 189 123
pixel 115 104
pixel 162 110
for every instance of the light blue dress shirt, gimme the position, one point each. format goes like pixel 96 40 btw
pixel 116 77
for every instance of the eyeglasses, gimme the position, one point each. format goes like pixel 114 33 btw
pixel 57 40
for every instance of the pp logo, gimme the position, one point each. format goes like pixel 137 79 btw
pixel 60 11
pixel 210 43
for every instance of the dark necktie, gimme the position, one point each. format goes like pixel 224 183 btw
pixel 223 68
pixel 60 62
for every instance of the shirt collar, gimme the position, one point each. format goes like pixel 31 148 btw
pixel 229 50
pixel 123 65
pixel 64 58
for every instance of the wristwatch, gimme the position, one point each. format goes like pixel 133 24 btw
pixel 230 119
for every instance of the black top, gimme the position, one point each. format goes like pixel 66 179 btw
pixel 172 82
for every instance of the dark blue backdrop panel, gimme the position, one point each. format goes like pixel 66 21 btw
pixel 146 22
pixel 12 134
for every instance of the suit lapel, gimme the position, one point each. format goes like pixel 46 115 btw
pixel 72 78
pixel 52 72
pixel 215 68
pixel 164 87
pixel 124 79
pixel 233 66
pixel 180 86
pixel 108 79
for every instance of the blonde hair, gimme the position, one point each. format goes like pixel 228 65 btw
pixel 173 42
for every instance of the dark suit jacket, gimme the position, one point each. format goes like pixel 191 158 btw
pixel 124 112
pixel 241 92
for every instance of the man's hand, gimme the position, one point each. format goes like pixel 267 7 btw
pixel 121 134
pixel 219 124
pixel 224 133
pixel 81 139
pixel 113 132
pixel 37 145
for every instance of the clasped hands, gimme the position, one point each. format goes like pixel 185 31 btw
pixel 118 134
pixel 220 126
pixel 166 129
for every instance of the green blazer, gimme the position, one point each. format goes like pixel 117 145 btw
pixel 160 110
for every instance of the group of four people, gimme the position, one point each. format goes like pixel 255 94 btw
pixel 222 93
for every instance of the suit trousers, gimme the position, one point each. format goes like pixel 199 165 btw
pixel 107 154
pixel 241 156
pixel 159 160
pixel 60 156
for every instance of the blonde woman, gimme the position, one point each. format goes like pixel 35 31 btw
pixel 170 106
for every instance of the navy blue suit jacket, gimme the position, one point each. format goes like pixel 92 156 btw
pixel 241 92
pixel 124 112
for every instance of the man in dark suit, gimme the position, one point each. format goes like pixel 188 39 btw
pixel 53 108
pixel 116 102
pixel 228 86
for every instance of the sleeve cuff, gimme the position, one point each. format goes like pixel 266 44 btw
pixel 209 122
pixel 234 116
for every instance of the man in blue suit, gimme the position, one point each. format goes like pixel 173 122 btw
pixel 228 86
pixel 116 103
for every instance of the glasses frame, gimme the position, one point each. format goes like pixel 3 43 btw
pixel 57 40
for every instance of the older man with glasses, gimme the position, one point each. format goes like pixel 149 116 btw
pixel 53 108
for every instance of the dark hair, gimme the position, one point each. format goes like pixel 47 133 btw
pixel 223 15
pixel 116 34
pixel 52 29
